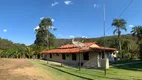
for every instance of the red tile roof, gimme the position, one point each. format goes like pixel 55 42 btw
pixel 71 48
pixel 105 48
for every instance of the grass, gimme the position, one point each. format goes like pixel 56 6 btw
pixel 70 73
pixel 125 61
pixel 133 67
pixel 58 75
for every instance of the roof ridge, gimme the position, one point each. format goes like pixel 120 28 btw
pixel 88 44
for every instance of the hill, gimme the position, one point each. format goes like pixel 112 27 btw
pixel 98 40
pixel 5 44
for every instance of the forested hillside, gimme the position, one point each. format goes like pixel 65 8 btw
pixel 4 44
pixel 130 47
pixel 98 40
pixel 9 49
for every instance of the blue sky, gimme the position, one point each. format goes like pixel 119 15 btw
pixel 78 18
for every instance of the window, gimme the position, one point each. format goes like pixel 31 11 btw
pixel 57 54
pixel 73 56
pixel 50 55
pixel 67 55
pixel 63 56
pixel 86 56
pixel 103 55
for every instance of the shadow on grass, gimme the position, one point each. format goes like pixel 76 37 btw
pixel 68 72
pixel 124 61
pixel 133 67
pixel 84 78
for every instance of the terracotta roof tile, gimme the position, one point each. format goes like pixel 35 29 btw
pixel 88 44
pixel 71 48
pixel 106 48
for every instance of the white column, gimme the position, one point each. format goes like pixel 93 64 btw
pixel 98 61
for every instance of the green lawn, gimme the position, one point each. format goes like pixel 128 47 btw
pixel 129 72
pixel 125 61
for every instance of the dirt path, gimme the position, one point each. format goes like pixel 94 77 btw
pixel 21 69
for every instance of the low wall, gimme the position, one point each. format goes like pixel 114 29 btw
pixel 104 63
pixel 97 63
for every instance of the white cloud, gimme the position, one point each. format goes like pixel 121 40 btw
pixel 71 36
pixel 37 27
pixel 51 27
pixel 53 20
pixel 5 30
pixel 131 26
pixel 95 5
pixel 61 36
pixel 66 37
pixel 42 18
pixel 68 2
pixel 84 37
pixel 54 4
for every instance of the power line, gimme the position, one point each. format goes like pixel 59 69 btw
pixel 122 12
pixel 126 8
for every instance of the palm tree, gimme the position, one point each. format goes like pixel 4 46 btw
pixel 120 24
pixel 17 54
pixel 137 31
pixel 29 51
pixel 37 49
pixel 1 53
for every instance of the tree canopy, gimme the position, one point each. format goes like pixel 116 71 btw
pixel 43 35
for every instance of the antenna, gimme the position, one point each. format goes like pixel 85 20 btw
pixel 80 45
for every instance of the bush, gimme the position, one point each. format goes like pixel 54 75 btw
pixel 140 50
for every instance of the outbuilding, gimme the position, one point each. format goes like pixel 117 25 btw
pixel 89 56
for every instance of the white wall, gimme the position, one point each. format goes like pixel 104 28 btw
pixel 94 59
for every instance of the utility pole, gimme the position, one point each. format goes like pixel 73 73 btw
pixel 104 32
pixel 79 60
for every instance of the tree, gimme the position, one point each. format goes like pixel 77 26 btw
pixel 51 41
pixel 17 54
pixel 1 53
pixel 137 32
pixel 37 49
pixel 46 23
pixel 120 24
pixel 29 51
pixel 140 51
pixel 42 32
pixel 133 49
pixel 21 51
pixel 126 47
pixel 43 36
